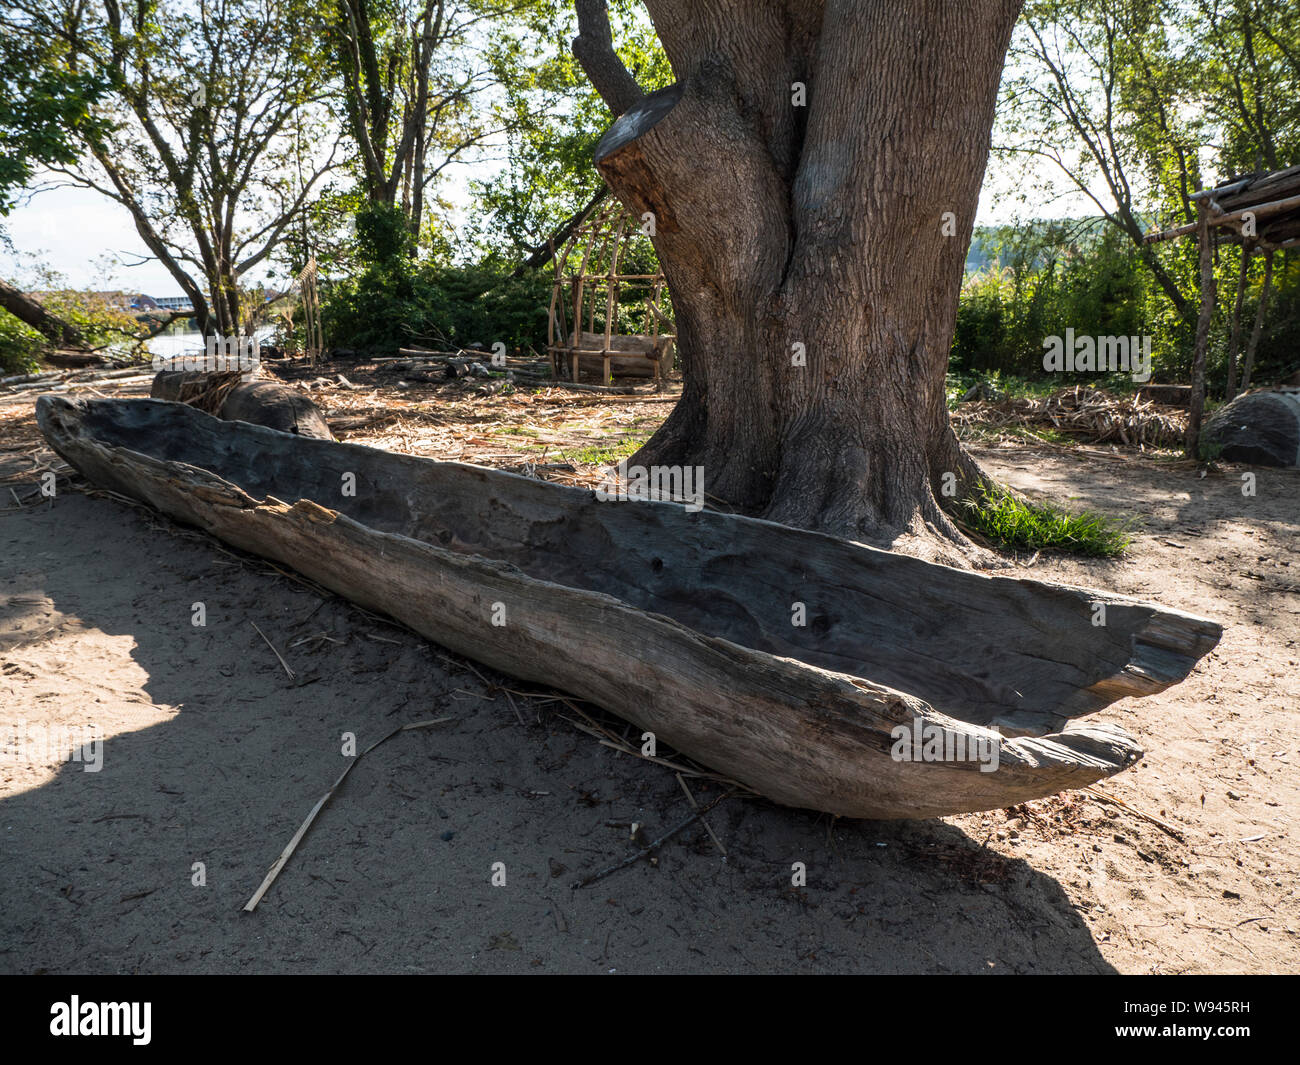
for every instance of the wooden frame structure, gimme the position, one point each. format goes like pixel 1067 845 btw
pixel 598 244
pixel 313 337
pixel 1261 212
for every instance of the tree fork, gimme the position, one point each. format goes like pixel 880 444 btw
pixel 812 179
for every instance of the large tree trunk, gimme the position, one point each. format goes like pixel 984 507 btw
pixel 825 226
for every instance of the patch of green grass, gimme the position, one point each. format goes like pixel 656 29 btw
pixel 1010 523
pixel 610 455
pixel 957 384
pixel 980 434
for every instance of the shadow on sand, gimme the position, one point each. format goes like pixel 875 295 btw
pixel 96 869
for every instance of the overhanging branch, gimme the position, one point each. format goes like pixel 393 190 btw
pixel 594 50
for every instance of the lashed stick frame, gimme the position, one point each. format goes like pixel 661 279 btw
pixel 598 245
pixel 1270 203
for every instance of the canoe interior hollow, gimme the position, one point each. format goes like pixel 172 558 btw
pixel 988 650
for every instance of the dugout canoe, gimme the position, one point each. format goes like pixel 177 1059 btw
pixel 680 622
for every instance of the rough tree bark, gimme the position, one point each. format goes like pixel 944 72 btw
pixel 840 225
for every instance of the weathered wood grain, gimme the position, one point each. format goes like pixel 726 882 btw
pixel 680 622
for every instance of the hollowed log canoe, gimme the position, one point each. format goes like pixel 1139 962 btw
pixel 681 622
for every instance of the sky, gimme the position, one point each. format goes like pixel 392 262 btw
pixel 74 230
pixel 78 233
pixel 71 230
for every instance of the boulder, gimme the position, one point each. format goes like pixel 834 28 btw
pixel 1262 428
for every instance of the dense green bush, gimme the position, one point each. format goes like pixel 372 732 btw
pixel 1044 277
pixel 1041 281
pixel 20 346
pixel 402 303
pixel 396 300
pixel 1278 353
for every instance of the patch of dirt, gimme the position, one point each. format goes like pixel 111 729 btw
pixel 212 756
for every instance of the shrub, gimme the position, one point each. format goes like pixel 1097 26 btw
pixel 400 303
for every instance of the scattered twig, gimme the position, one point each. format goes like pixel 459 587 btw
pixel 651 848
pixel 609 739
pixel 695 806
pixel 1174 831
pixel 315 638
pixel 285 854
pixel 283 663
pixel 513 707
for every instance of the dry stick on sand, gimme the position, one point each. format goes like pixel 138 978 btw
pixel 634 858
pixel 283 663
pixel 695 806
pixel 617 744
pixel 1177 833
pixel 285 854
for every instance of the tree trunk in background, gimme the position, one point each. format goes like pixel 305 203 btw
pixel 28 310
pixel 815 253
pixel 1234 338
pixel 1266 288
pixel 1203 239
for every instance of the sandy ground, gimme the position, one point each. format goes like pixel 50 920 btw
pixel 214 755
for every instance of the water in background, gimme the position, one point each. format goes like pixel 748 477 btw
pixel 180 340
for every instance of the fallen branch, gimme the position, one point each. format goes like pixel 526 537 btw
pixel 30 311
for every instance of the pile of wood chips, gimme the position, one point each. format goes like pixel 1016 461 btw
pixel 1089 413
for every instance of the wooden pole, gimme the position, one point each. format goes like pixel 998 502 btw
pixel 1259 210
pixel 1234 340
pixel 1202 330
pixel 556 287
pixel 1248 364
pixel 589 232
pixel 611 298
